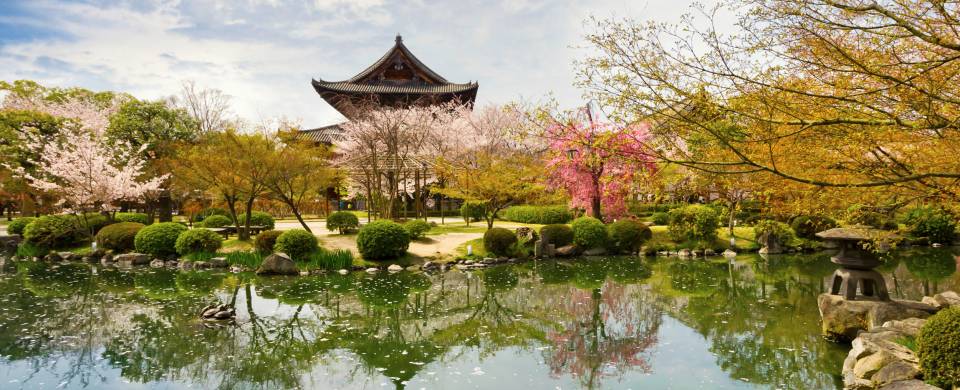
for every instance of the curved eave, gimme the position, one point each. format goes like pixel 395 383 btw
pixel 347 87
pixel 398 46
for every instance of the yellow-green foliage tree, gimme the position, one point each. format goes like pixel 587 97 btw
pixel 840 101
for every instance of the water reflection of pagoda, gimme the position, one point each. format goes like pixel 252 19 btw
pixel 397 79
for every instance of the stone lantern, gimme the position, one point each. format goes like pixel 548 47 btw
pixel 856 263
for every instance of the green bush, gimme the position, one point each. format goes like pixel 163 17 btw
pixel 266 240
pixel 543 215
pixel 89 224
pixel 939 348
pixel 210 211
pixel 16 226
pixel 198 241
pixel 342 221
pixel 660 218
pixel 119 236
pixel 807 226
pixel 557 234
pixel 417 228
pixel 778 231
pixel 589 232
pixel 383 240
pixel 695 223
pixel 628 235
pixel 159 239
pixel 296 243
pixel 932 222
pixel 131 217
pixel 257 218
pixel 473 211
pixel 499 241
pixel 54 231
pixel 862 215
pixel 216 221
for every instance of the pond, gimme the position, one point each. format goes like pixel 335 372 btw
pixel 596 323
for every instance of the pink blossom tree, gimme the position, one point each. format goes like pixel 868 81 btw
pixel 88 172
pixel 597 163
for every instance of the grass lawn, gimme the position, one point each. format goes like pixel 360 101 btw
pixel 743 235
pixel 234 244
pixel 478 250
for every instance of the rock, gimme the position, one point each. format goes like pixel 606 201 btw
pixel 913 384
pixel 709 252
pixel 278 264
pixel 343 272
pixel 595 251
pixel 372 270
pixel 770 244
pixel 52 257
pixel 210 312
pixel 224 315
pixel 68 256
pixel 866 367
pixel 429 265
pixel 9 244
pixel 663 253
pixel 696 253
pixel 469 262
pixel 219 262
pixel 646 251
pixel 895 372
pixel 413 268
pixel 187 265
pixel 943 300
pixel 200 264
pixel 132 259
pixel 157 263
pixel 236 269
pixel 729 253
pixel 567 251
pixel 684 253
pixel 909 326
pixel 172 263
pixel 842 319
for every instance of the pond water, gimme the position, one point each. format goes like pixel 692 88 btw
pixel 613 323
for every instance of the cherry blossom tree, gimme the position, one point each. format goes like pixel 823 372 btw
pixel 86 170
pixel 597 162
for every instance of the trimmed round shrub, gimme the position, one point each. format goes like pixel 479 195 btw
pixel 807 226
pixel 589 232
pixel 257 218
pixel 383 240
pixel 342 221
pixel 628 235
pixel 557 234
pixel 932 222
pixel 770 229
pixel 296 243
pixel 17 225
pixel 498 241
pixel 417 228
pixel 660 218
pixel 938 347
pixel 543 215
pixel 472 211
pixel 266 240
pixel 694 223
pixel 131 217
pixel 159 239
pixel 210 211
pixel 119 236
pixel 198 241
pixel 53 231
pixel 216 221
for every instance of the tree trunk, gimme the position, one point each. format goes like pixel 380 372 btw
pixel 244 233
pixel 595 202
pixel 296 213
pixel 164 205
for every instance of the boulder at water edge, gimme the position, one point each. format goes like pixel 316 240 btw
pixel 278 264
pixel 132 259
pixel 842 319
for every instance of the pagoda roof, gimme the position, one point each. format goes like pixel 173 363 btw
pixel 329 135
pixel 398 78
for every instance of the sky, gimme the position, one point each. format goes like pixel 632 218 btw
pixel 263 53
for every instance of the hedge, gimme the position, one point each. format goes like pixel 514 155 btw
pixel 257 218
pixel 159 239
pixel 17 225
pixel 383 240
pixel 938 347
pixel 417 228
pixel 216 221
pixel 543 215
pixel 694 223
pixel 589 232
pixel 54 231
pixel 342 221
pixel 132 217
pixel 499 241
pixel 628 235
pixel 807 226
pixel 557 234
pixel 198 241
pixel 473 211
pixel 297 243
pixel 266 240
pixel 119 236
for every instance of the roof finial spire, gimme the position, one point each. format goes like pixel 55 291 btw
pixel 399 38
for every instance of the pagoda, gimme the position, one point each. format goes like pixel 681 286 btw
pixel 398 79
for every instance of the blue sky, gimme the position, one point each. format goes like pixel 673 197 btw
pixel 263 53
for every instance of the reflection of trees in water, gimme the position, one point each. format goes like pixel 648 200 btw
pixel 761 320
pixel 607 327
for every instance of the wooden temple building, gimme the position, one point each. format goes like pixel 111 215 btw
pixel 397 79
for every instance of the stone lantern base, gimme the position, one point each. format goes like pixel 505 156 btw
pixel 847 281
